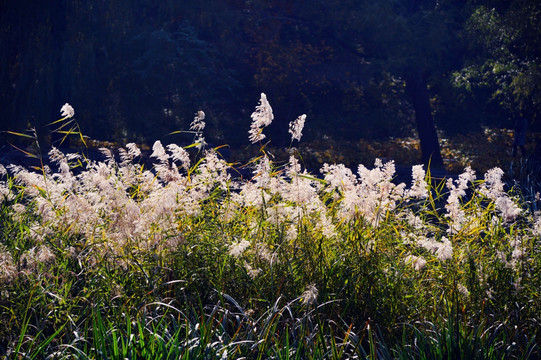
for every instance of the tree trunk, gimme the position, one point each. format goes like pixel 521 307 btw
pixel 418 92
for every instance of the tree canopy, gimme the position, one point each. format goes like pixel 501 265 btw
pixel 137 70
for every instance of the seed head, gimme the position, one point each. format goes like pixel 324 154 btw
pixel 67 111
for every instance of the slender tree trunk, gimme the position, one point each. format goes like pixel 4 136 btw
pixel 430 148
pixel 537 151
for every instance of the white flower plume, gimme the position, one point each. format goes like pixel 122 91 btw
pixel 261 117
pixel 67 111
pixel 198 123
pixel 296 126
pixel 309 296
pixel 179 154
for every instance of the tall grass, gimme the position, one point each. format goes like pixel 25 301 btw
pixel 110 259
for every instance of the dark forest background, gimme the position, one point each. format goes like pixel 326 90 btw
pixel 137 70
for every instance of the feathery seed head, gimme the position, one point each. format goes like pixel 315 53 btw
pixel 67 111
pixel 309 296
pixel 419 188
pixel 133 150
pixel 445 250
pixel 179 154
pixel 261 117
pixel 198 123
pixel 237 248
pixel 296 126
pixel 7 266
pixel 158 152
pixel 508 208
pixel 418 262
pixel 493 185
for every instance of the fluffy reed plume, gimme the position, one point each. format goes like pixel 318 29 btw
pixel 261 118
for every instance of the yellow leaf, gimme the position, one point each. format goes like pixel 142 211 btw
pixel 20 134
pixel 26 152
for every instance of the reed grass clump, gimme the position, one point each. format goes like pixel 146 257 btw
pixel 183 259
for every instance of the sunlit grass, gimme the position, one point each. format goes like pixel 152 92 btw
pixel 111 259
